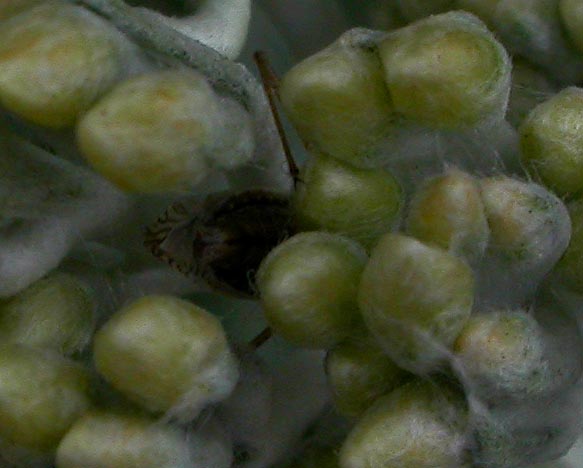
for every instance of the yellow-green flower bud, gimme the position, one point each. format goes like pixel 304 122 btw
pixel 447 211
pixel 419 425
pixel 572 18
pixel 446 71
pixel 502 355
pixel 362 204
pixel 55 60
pixel 41 395
pixel 415 299
pixel 308 288
pixel 552 143
pixel 164 131
pixel 122 441
pixel 359 372
pixel 167 355
pixel 55 312
pixel 338 102
pixel 101 439
pixel 528 224
pixel 529 231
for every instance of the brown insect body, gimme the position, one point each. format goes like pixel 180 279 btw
pixel 223 238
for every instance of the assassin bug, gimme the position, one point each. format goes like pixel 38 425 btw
pixel 223 238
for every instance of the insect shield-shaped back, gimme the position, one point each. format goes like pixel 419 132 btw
pixel 223 238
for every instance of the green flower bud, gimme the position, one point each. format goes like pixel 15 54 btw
pixel 164 131
pixel 447 211
pixel 55 312
pixel 528 224
pixel 529 231
pixel 41 395
pixel 167 355
pixel 419 425
pixel 572 18
pixel 308 288
pixel 55 60
pixel 359 372
pixel 362 204
pixel 101 439
pixel 338 101
pixel 552 144
pixel 502 355
pixel 415 299
pixel 446 71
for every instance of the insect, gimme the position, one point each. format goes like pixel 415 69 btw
pixel 223 238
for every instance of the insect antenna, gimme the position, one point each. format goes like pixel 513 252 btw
pixel 270 83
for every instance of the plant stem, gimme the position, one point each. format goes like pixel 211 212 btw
pixel 261 339
pixel 270 85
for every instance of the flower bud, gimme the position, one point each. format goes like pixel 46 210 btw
pixel 415 299
pixel 362 204
pixel 167 355
pixel 421 425
pixel 308 288
pixel 446 71
pixel 55 60
pixel 164 131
